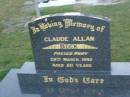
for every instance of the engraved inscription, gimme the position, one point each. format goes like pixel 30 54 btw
pixel 73 80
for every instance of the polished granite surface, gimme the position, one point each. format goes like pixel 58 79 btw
pixel 9 86
pixel 117 68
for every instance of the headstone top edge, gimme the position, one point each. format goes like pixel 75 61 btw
pixel 71 14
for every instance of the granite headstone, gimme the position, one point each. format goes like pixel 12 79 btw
pixel 71 41
pixel 72 58
pixel 71 49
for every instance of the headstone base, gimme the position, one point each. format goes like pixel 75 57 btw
pixel 119 77
pixel 10 87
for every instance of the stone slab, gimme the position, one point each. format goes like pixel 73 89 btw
pixel 117 68
pixel 119 77
pixel 9 87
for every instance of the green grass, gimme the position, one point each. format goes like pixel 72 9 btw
pixel 9 8
pixel 15 47
pixel 54 10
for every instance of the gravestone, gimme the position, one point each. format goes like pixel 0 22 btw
pixel 72 59
pixel 71 49
pixel 67 42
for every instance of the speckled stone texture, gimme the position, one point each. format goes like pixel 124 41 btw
pixel 10 87
pixel 119 77
pixel 75 27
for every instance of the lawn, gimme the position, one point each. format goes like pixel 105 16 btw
pixel 15 46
